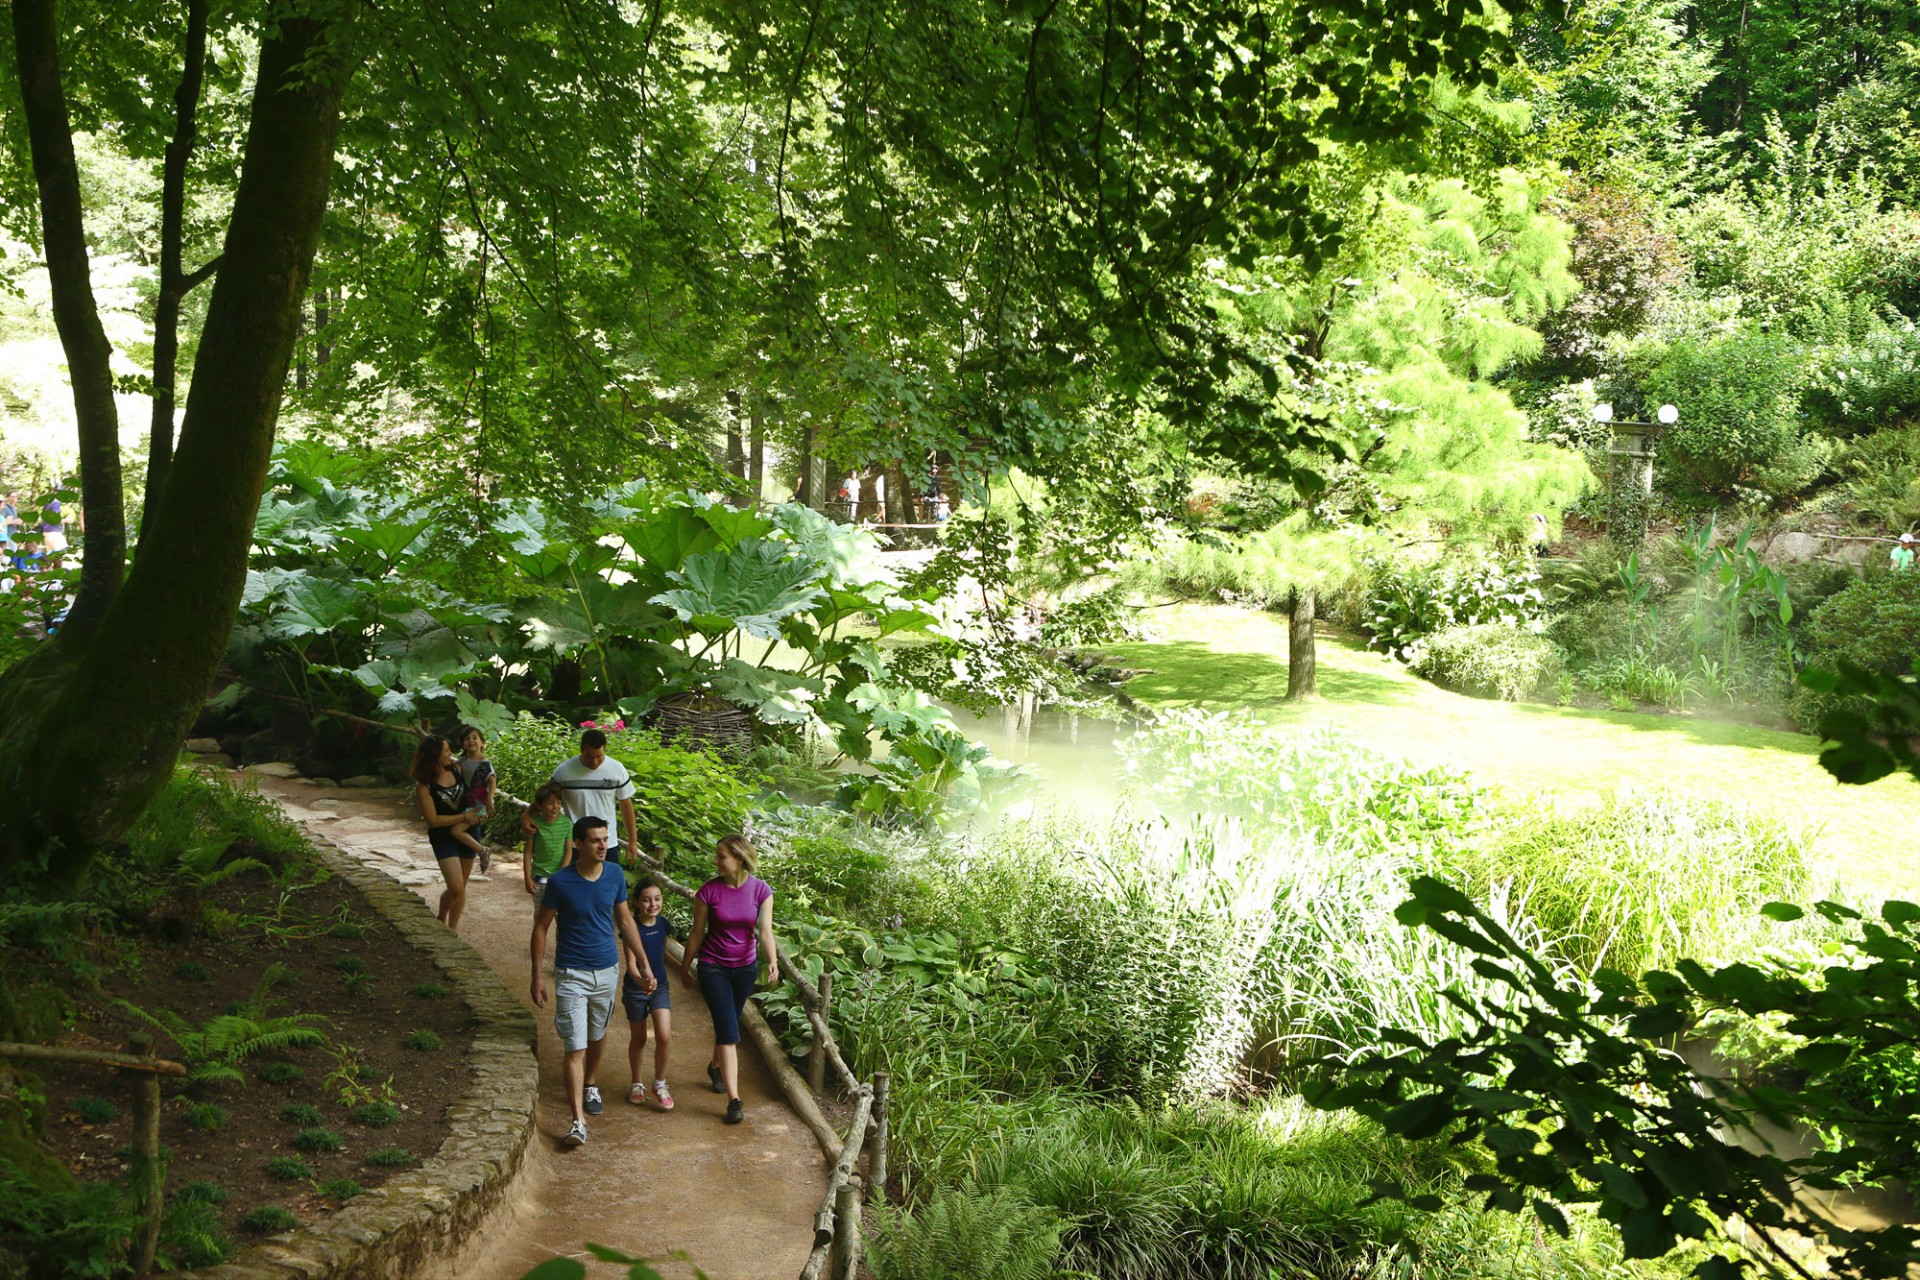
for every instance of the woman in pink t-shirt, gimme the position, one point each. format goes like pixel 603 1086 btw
pixel 732 927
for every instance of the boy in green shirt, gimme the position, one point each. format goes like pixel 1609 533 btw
pixel 550 843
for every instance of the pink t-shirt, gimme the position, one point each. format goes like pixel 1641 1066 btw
pixel 731 916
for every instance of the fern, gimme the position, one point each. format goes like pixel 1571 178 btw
pixel 966 1233
pixel 214 1050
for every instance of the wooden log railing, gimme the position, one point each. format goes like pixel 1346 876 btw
pixel 142 1071
pixel 838 1245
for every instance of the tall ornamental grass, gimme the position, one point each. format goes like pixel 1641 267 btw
pixel 1644 878
pixel 1277 1190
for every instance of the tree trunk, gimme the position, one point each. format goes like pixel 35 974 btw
pixel 56 174
pixel 756 451
pixel 1302 679
pixel 813 470
pixel 899 500
pixel 736 446
pixel 91 723
pixel 174 281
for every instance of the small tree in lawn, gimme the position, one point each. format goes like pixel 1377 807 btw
pixel 1396 337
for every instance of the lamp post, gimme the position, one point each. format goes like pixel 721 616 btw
pixel 1630 479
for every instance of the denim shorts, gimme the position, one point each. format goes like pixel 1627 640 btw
pixel 640 1003
pixel 582 1005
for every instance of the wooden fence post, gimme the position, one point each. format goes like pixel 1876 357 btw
pixel 844 1263
pixel 817 1057
pixel 150 1176
pixel 877 1140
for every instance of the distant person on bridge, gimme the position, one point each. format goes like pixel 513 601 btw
pixel 589 902
pixel 731 913
pixel 1903 554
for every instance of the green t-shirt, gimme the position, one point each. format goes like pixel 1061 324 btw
pixel 1903 558
pixel 550 844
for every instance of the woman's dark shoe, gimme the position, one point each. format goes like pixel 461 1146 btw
pixel 735 1112
pixel 713 1079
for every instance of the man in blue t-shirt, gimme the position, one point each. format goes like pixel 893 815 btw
pixel 589 901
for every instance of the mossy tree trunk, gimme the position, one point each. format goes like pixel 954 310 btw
pixel 1303 680
pixel 91 724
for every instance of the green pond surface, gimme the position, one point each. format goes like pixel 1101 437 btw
pixel 1866 839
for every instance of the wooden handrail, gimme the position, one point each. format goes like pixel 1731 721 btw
pixel 92 1058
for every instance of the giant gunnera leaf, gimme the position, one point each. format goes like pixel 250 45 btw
pixel 747 589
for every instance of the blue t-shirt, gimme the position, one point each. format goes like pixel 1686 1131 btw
pixel 653 940
pixel 584 920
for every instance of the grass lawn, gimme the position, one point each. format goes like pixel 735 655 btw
pixel 1222 658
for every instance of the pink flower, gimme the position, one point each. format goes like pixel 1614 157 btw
pixel 619 724
pixel 588 724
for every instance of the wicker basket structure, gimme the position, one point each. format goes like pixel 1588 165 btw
pixel 697 718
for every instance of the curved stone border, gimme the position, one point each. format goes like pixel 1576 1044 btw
pixel 389 1232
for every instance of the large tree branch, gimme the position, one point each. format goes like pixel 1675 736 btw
pixel 174 284
pixel 75 314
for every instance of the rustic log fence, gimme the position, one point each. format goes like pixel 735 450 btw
pixel 838 1246
pixel 142 1071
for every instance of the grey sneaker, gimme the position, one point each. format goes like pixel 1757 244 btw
pixel 713 1079
pixel 594 1106
pixel 577 1135
pixel 486 857
pixel 735 1112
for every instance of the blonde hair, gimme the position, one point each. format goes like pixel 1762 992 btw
pixel 736 846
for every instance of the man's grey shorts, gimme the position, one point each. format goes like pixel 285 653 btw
pixel 582 1004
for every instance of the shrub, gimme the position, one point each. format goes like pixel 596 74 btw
pixel 340 1189
pixel 375 1115
pixel 281 1073
pixel 432 991
pixel 1881 479
pixel 1869 384
pixel 76 1230
pixel 1641 880
pixel 1738 399
pixel 305 1115
pixel 1491 660
pixel 1407 600
pixel 350 965
pixel 289 1168
pixel 424 1041
pixel 389 1157
pixel 210 1117
pixel 190 1233
pixel 965 1233
pixel 1875 623
pixel 95 1110
pixel 318 1139
pixel 268 1219
pixel 684 801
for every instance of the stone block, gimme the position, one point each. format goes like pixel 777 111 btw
pixel 203 746
pixel 274 769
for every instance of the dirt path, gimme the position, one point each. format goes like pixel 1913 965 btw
pixel 737 1201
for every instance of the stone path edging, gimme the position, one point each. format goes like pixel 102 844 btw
pixel 388 1232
